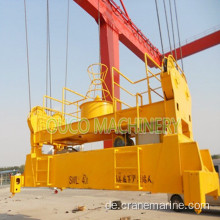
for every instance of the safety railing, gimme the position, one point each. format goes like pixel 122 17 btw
pixel 98 79
pixel 117 101
pixel 52 110
pixel 151 75
pixel 170 57
pixel 64 103
pixel 97 73
pixel 76 103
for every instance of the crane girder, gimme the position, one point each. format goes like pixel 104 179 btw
pixel 129 34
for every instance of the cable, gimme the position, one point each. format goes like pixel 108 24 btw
pixel 171 16
pixel 67 48
pixel 48 62
pixel 158 19
pixel 67 41
pixel 168 31
pixel 47 56
pixel 27 52
pixel 99 30
pixel 177 23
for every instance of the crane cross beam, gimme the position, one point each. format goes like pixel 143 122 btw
pixel 197 45
pixel 129 34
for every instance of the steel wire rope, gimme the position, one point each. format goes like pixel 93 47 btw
pixel 99 32
pixel 27 54
pixel 48 56
pixel 177 24
pixel 171 16
pixel 67 48
pixel 158 20
pixel 168 30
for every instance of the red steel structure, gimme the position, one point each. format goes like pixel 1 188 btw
pixel 198 45
pixel 115 26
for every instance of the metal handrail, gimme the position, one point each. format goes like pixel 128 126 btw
pixel 176 64
pixel 137 95
pixel 76 103
pixel 64 103
pixel 82 98
pixel 121 87
pixel 54 110
pixel 146 57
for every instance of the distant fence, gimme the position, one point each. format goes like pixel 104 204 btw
pixel 5 176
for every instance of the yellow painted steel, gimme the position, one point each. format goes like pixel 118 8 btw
pixel 97 74
pixel 16 182
pixel 174 165
pixel 96 108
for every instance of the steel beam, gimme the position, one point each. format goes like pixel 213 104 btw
pixel 129 34
pixel 198 45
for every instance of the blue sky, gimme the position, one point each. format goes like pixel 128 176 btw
pixel 202 69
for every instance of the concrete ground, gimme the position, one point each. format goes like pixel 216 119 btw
pixel 34 203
